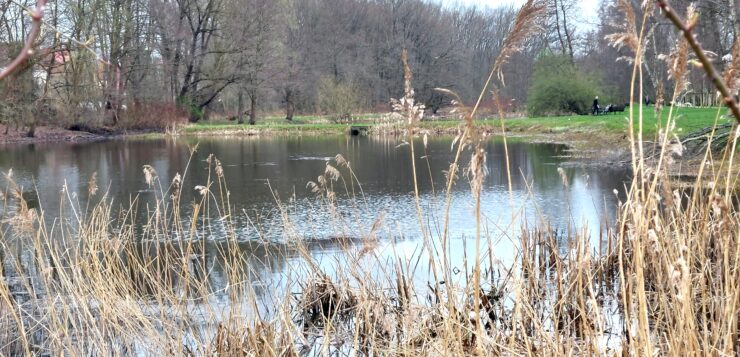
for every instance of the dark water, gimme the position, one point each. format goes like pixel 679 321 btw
pixel 254 166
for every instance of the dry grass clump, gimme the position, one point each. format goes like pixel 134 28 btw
pixel 321 300
pixel 158 116
pixel 261 339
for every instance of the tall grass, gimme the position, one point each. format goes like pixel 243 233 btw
pixel 103 281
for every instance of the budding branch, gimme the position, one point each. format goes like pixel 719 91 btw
pixel 687 31
pixel 37 16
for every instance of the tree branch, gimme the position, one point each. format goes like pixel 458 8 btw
pixel 687 30
pixel 36 16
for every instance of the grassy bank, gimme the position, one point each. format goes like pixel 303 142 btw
pixel 615 125
pixel 593 131
pixel 687 120
pixel 263 128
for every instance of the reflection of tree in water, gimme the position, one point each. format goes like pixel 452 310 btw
pixel 381 166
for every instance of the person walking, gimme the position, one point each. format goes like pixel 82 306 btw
pixel 595 107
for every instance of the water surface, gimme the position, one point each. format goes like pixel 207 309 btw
pixel 259 171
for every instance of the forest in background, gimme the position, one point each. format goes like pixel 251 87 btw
pixel 147 63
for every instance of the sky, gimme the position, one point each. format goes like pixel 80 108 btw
pixel 587 17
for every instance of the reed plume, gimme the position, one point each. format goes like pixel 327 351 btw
pixel 627 35
pixel 407 105
pixel 528 22
pixel 732 71
pixel 678 62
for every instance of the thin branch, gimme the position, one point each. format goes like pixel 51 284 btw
pixel 37 16
pixel 687 30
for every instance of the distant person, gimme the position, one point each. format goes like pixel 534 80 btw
pixel 595 107
pixel 647 100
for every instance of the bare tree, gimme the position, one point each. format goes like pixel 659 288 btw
pixel 561 24
pixel 103 55
pixel 193 51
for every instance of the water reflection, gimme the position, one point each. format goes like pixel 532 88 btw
pixel 258 169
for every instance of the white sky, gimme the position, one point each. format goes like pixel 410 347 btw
pixel 586 19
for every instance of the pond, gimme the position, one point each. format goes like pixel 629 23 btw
pixel 255 166
pixel 261 171
pixel 371 207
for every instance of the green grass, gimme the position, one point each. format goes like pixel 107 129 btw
pixel 687 121
pixel 302 123
pixel 199 128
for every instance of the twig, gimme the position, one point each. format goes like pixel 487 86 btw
pixel 37 16
pixel 687 31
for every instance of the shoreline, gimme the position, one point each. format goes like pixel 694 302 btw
pixel 590 141
pixel 56 135
pixel 607 131
pixel 583 145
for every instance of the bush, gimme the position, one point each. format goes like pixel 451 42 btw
pixel 338 99
pixel 558 87
pixel 152 115
pixel 194 111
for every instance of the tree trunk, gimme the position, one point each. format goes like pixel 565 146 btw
pixel 557 27
pixel 253 109
pixel 289 106
pixel 207 113
pixel 240 108
pixel 568 39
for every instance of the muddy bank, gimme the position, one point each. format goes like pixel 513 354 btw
pixel 45 134
pixel 52 134
pixel 586 146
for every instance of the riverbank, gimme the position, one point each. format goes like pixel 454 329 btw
pixel 44 134
pixel 53 134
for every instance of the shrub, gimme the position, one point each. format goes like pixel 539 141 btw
pixel 558 87
pixel 338 99
pixel 188 104
pixel 152 115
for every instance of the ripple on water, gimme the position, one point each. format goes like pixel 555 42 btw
pixel 310 158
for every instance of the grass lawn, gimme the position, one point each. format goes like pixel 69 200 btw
pixel 299 123
pixel 687 120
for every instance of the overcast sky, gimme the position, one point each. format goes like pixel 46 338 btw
pixel 587 16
